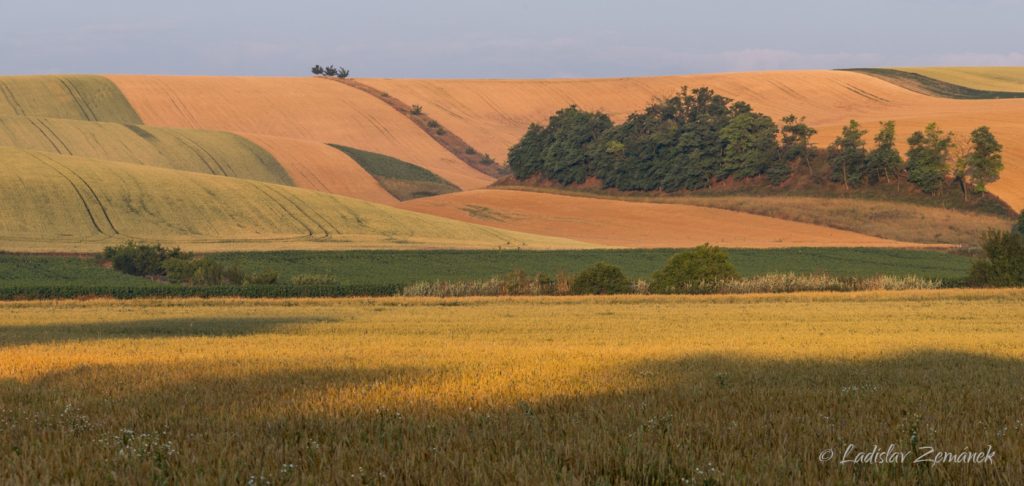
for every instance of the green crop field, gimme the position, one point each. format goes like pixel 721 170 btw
pixel 935 86
pixel 210 152
pixel 54 202
pixel 92 98
pixel 402 267
pixel 403 180
pixel 366 267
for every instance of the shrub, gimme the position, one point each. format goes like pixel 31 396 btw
pixel 141 259
pixel 601 278
pixel 441 131
pixel 1019 228
pixel 470 151
pixel 201 271
pixel 1003 263
pixel 487 160
pixel 342 73
pixel 416 110
pixel 313 280
pixel 699 270
pixel 433 124
pixel 261 278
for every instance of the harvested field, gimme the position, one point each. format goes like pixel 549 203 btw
pixel 493 114
pixel 64 203
pixel 891 220
pixel 76 97
pixel 318 110
pixel 204 151
pixel 613 390
pixel 317 166
pixel 634 224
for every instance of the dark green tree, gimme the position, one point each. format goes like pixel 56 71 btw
pixel 601 278
pixel 1003 263
pixel 848 157
pixel 884 161
pixel 318 70
pixel 570 133
pixel 796 142
pixel 751 148
pixel 342 73
pixel 698 270
pixel 331 71
pixel 982 164
pixel 526 158
pixel 927 158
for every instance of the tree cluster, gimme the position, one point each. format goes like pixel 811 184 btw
pixel 698 138
pixel 331 71
pixel 688 141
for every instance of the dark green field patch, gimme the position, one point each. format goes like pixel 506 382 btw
pixel 403 180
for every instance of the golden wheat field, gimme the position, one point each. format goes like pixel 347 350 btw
pixel 613 390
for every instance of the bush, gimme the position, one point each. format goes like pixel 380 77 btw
pixel 141 259
pixel 201 271
pixel 433 124
pixel 261 278
pixel 470 151
pixel 1019 228
pixel 601 278
pixel 1003 263
pixel 416 110
pixel 699 270
pixel 313 280
pixel 487 160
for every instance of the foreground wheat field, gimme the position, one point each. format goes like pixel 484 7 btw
pixel 649 390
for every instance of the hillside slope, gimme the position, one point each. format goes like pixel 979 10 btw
pixel 311 109
pixel 205 151
pixel 54 202
pixel 92 98
pixel 493 114
pixel 634 224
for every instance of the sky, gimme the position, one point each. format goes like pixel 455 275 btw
pixel 501 39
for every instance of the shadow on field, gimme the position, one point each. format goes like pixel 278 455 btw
pixel 144 329
pixel 707 419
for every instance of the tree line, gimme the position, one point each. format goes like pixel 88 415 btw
pixel 698 138
pixel 331 71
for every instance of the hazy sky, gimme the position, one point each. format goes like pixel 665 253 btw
pixel 508 38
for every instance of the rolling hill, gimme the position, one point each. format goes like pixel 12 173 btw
pixel 299 108
pixel 52 202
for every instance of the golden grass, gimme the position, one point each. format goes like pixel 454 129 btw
pixel 1009 79
pixel 204 151
pixel 491 115
pixel 634 224
pixel 54 202
pixel 620 390
pixel 76 97
pixel 300 108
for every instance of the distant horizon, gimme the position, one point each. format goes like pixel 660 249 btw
pixel 299 76
pixel 525 39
